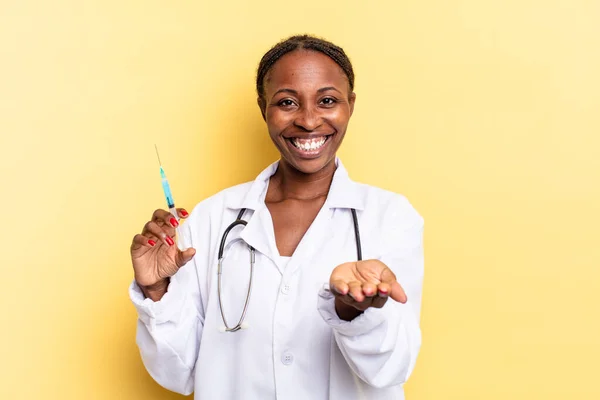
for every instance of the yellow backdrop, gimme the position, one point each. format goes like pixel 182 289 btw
pixel 486 114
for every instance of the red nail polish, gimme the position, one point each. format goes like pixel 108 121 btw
pixel 184 213
pixel 383 291
pixel 174 222
pixel 169 241
pixel 151 242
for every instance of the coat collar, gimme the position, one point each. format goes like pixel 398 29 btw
pixel 343 193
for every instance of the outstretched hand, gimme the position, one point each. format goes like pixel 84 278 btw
pixel 359 285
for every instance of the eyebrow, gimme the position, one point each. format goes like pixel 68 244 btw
pixel 327 88
pixel 292 91
pixel 285 90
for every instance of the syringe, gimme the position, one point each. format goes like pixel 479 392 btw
pixel 167 189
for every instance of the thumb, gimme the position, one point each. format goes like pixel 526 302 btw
pixel 183 257
pixel 398 293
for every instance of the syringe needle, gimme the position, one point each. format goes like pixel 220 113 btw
pixel 157 155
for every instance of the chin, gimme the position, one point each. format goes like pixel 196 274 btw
pixel 310 166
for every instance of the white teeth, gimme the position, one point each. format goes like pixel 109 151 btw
pixel 310 144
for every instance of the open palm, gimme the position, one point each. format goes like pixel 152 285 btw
pixel 364 284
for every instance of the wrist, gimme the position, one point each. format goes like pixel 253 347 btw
pixel 345 311
pixel 155 291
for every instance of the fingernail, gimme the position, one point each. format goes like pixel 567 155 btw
pixel 174 222
pixel 169 241
pixel 151 242
pixel 184 213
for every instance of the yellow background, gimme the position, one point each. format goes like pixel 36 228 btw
pixel 486 114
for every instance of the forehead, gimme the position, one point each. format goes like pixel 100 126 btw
pixel 305 69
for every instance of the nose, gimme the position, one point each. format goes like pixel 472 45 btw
pixel 308 119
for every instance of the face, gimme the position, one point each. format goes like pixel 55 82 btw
pixel 307 106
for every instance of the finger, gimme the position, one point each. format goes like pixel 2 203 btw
pixel 140 241
pixel 379 301
pixel 369 289
pixel 356 291
pixel 152 228
pixel 182 213
pixel 164 217
pixel 183 257
pixel 396 291
pixel 384 289
pixel 348 300
pixel 362 306
pixel 340 290
pixel 338 287
pixel 398 294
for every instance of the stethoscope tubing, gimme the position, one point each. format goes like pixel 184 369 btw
pixel 240 221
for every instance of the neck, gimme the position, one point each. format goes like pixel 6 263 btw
pixel 289 183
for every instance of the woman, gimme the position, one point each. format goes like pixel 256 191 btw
pixel 322 325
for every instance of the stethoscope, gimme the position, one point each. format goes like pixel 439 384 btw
pixel 239 221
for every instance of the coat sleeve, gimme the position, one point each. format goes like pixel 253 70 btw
pixel 169 331
pixel 381 345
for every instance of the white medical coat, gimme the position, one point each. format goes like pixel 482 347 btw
pixel 295 347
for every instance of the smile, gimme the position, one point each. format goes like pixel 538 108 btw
pixel 312 144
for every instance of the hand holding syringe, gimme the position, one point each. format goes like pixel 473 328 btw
pixel 154 255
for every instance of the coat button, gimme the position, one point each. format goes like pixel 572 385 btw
pixel 285 289
pixel 287 358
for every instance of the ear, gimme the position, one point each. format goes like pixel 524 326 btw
pixel 351 101
pixel 263 107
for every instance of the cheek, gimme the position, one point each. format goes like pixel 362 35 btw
pixel 339 117
pixel 276 122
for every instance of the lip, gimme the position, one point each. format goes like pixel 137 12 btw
pixel 308 154
pixel 312 135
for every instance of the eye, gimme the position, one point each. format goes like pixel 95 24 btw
pixel 285 103
pixel 328 101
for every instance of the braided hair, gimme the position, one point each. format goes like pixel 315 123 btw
pixel 299 42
